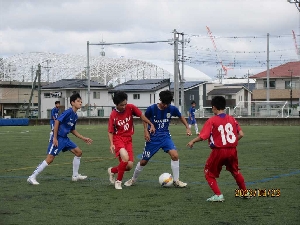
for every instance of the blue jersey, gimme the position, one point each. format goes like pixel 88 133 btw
pixel 54 113
pixel 67 121
pixel 192 113
pixel 192 119
pixel 161 119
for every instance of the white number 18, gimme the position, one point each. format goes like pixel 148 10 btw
pixel 230 137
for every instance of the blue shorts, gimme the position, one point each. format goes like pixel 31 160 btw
pixel 166 143
pixel 191 121
pixel 64 144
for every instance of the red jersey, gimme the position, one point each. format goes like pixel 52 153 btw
pixel 121 123
pixel 221 131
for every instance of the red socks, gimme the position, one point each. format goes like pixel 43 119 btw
pixel 212 182
pixel 121 169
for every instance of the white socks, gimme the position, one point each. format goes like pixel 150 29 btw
pixel 76 164
pixel 137 171
pixel 196 128
pixel 39 169
pixel 175 169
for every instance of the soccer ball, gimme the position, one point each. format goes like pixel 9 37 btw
pixel 165 180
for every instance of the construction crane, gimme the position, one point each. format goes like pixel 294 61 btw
pixel 225 68
pixel 296 46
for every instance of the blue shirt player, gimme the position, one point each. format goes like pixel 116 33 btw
pixel 64 124
pixel 160 115
pixel 53 117
pixel 192 119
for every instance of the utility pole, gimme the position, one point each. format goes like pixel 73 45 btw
pixel 291 89
pixel 268 69
pixel 176 66
pixel 182 80
pixel 39 91
pixel 103 43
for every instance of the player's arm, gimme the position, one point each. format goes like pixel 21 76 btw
pixel 85 139
pixel 192 142
pixel 111 146
pixel 146 131
pixel 183 121
pixel 240 134
pixel 146 120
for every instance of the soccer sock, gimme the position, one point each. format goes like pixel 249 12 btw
pixel 190 126
pixel 76 164
pixel 114 169
pixel 175 169
pixel 212 182
pixel 51 133
pixel 137 171
pixel 196 128
pixel 121 170
pixel 39 169
pixel 240 181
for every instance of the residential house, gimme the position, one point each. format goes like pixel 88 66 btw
pixel 100 100
pixel 284 84
pixel 143 93
pixel 14 99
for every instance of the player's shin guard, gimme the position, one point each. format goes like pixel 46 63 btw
pixel 240 181
pixel 76 164
pixel 39 168
pixel 121 170
pixel 175 169
pixel 138 169
pixel 212 182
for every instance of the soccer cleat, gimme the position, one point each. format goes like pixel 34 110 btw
pixel 78 177
pixel 32 181
pixel 130 182
pixel 118 184
pixel 179 183
pixel 111 176
pixel 216 198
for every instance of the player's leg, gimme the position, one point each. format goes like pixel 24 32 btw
pixel 212 170
pixel 76 160
pixel 196 128
pixel 52 151
pixel 51 132
pixel 169 147
pixel 150 149
pixel 233 168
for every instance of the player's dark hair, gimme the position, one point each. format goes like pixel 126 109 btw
pixel 193 102
pixel 219 102
pixel 119 97
pixel 74 97
pixel 166 97
pixel 57 102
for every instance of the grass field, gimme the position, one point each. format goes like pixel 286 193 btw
pixel 268 156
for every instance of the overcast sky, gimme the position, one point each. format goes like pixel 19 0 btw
pixel 239 29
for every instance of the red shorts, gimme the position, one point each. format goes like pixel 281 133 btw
pixel 219 158
pixel 123 142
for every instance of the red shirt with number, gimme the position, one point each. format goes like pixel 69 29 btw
pixel 221 131
pixel 222 134
pixel 121 123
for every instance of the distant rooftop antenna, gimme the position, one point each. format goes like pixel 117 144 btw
pixel 102 53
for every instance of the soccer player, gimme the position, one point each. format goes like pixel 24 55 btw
pixel 160 115
pixel 64 124
pixel 192 119
pixel 222 132
pixel 54 115
pixel 120 131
